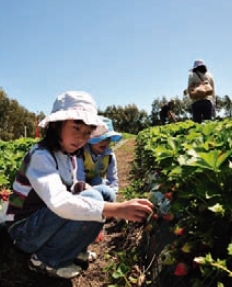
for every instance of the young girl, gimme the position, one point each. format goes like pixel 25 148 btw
pixel 46 217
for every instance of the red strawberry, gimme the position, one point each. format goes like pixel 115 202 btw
pixel 181 269
pixel 4 194
pixel 168 195
pixel 168 216
pixel 155 216
pixel 100 236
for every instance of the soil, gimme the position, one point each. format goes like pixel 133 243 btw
pixel 13 268
pixel 113 239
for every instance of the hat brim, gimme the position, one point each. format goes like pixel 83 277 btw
pixel 114 136
pixel 87 117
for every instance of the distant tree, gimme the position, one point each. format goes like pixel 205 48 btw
pixel 178 109
pixel 114 113
pixel 15 120
pixel 155 109
pixel 227 105
pixel 135 120
pixel 219 107
pixel 128 119
pixel 186 108
pixel 4 110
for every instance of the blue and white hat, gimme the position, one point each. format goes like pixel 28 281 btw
pixel 114 136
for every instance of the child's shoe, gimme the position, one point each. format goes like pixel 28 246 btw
pixel 68 272
pixel 87 256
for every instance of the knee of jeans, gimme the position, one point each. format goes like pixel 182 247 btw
pixel 107 192
pixel 94 194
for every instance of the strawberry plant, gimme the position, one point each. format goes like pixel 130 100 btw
pixel 191 166
pixel 11 155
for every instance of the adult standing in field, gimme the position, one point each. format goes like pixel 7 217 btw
pixel 202 108
pixel 51 215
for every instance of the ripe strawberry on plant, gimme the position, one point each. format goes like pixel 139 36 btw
pixel 155 216
pixel 4 194
pixel 168 195
pixel 168 216
pixel 181 269
pixel 100 236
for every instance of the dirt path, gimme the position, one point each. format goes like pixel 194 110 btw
pixel 125 156
pixel 93 276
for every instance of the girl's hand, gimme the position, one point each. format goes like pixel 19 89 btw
pixel 132 210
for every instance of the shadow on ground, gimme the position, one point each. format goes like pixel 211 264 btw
pixel 14 271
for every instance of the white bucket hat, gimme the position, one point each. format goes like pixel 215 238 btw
pixel 114 136
pixel 75 105
pixel 198 63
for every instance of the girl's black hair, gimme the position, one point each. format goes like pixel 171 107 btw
pixel 201 69
pixel 52 137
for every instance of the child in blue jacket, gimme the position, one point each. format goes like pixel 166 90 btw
pixel 98 165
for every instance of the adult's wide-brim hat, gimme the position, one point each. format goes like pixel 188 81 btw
pixel 112 134
pixel 197 63
pixel 76 105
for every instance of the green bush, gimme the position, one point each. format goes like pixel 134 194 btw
pixel 11 155
pixel 190 166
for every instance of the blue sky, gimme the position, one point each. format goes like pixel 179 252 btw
pixel 120 51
